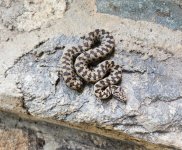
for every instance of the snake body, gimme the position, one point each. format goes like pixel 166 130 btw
pixel 75 72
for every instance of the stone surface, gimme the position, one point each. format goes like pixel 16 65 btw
pixel 165 12
pixel 153 111
pixel 13 139
pixel 30 14
pixel 23 134
pixel 149 53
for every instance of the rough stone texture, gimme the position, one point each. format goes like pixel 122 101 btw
pixel 30 14
pixel 13 139
pixel 149 53
pixel 153 111
pixel 23 134
pixel 165 12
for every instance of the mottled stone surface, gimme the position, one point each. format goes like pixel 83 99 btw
pixel 153 111
pixel 149 52
pixel 13 139
pixel 165 12
pixel 30 15
pixel 23 134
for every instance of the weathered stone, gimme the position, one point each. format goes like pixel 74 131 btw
pixel 13 102
pixel 153 111
pixel 167 13
pixel 23 134
pixel 149 53
pixel 30 15
pixel 13 139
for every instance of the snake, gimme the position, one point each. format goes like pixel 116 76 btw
pixel 77 65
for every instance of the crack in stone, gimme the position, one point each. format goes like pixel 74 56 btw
pixel 127 71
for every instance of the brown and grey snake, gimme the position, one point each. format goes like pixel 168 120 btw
pixel 105 75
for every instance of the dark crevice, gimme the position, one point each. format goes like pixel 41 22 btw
pixel 133 71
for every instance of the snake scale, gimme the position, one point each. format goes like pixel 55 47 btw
pixel 76 60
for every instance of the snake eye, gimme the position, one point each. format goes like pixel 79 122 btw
pixel 118 93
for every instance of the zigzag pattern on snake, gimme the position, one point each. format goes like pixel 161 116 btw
pixel 74 73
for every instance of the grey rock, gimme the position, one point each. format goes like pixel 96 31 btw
pixel 167 13
pixel 47 136
pixel 153 88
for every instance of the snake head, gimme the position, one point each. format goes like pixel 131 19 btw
pixel 118 93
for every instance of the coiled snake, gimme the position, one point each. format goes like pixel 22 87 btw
pixel 74 72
